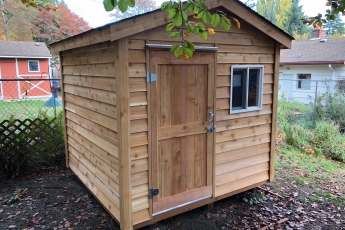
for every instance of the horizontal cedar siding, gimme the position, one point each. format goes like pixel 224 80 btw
pixel 242 141
pixel 139 130
pixel 90 102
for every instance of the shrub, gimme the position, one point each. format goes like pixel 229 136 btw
pixel 331 107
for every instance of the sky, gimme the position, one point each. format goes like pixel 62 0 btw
pixel 93 12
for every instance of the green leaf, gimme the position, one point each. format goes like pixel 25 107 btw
pixel 189 8
pixel 188 52
pixel 178 52
pixel 207 17
pixel 123 5
pixel 215 19
pixel 190 45
pixel 204 6
pixel 201 26
pixel 225 23
pixel 174 47
pixel 184 16
pixel 196 9
pixel 108 5
pixel 200 14
pixel 131 3
pixel 177 20
pixel 164 5
pixel 191 29
pixel 171 13
pixel 170 26
pixel 203 35
pixel 174 34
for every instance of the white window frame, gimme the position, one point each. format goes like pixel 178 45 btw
pixel 303 80
pixel 260 89
pixel 38 62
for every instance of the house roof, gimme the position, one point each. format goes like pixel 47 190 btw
pixel 130 26
pixel 21 49
pixel 314 52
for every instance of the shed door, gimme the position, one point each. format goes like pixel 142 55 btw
pixel 182 149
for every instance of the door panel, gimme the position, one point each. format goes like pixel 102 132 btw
pixel 181 100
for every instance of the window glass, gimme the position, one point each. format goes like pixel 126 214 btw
pixel 34 66
pixel 304 81
pixel 253 86
pixel 246 88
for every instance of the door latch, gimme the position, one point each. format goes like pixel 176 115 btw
pixel 211 129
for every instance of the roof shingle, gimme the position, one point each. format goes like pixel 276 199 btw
pixel 23 49
pixel 314 51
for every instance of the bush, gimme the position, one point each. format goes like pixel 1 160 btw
pixel 328 140
pixel 331 107
pixel 30 144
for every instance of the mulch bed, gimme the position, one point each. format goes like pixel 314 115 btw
pixel 57 200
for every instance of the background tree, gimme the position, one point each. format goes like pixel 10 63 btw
pixel 141 6
pixel 335 27
pixel 29 24
pixel 266 8
pixel 250 3
pixel 293 22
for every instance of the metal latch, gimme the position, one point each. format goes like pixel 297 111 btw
pixel 211 129
pixel 153 192
pixel 151 77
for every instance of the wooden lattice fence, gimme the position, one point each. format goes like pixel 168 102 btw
pixel 30 144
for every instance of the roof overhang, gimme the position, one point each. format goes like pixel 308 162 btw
pixel 156 18
pixel 25 57
pixel 314 63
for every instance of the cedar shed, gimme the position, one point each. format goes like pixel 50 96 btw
pixel 152 136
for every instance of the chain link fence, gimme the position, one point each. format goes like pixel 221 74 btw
pixel 31 125
pixel 312 100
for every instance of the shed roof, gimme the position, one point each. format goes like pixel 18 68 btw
pixel 24 49
pixel 127 27
pixel 314 52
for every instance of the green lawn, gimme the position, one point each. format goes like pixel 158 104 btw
pixel 25 109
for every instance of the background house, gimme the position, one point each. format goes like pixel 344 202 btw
pixel 24 60
pixel 317 59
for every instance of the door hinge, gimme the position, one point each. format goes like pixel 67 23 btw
pixel 151 77
pixel 153 192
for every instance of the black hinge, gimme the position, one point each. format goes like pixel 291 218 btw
pixel 150 77
pixel 153 192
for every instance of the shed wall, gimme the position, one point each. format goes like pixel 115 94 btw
pixel 89 86
pixel 242 141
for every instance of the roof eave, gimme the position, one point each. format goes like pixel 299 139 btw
pixel 341 62
pixel 40 57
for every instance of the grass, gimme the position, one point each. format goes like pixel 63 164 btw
pixel 313 172
pixel 25 109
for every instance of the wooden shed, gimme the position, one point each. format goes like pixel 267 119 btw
pixel 152 136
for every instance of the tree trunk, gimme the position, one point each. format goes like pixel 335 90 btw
pixel 5 20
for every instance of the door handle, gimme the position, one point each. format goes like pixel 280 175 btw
pixel 212 116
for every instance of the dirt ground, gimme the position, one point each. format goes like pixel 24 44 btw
pixel 57 200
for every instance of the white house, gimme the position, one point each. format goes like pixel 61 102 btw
pixel 310 66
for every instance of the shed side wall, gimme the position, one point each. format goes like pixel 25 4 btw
pixel 89 86
pixel 138 99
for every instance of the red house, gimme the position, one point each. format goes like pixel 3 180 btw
pixel 24 60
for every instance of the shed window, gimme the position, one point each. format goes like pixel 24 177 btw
pixel 34 66
pixel 246 88
pixel 304 81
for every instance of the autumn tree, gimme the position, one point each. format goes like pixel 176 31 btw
pixel 141 6
pixel 52 26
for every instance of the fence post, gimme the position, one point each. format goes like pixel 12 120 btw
pixel 315 103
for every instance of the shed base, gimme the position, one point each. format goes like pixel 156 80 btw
pixel 195 205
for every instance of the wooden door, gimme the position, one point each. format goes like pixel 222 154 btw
pixel 182 149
